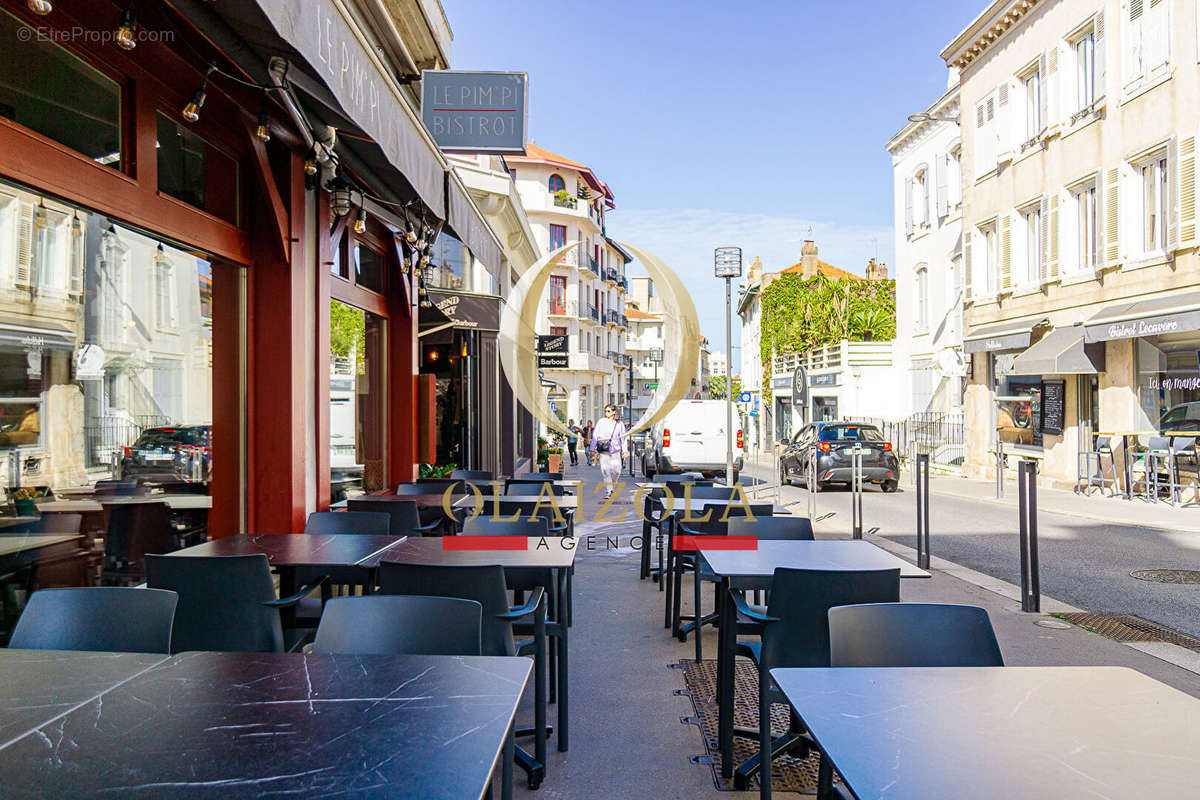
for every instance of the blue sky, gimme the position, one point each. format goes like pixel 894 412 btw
pixel 746 124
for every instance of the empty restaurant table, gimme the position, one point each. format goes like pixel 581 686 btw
pixel 753 569
pixel 992 733
pixel 234 725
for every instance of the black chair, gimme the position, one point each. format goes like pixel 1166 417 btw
pixel 487 586
pixel 520 486
pixel 134 530
pixel 226 603
pixel 794 632
pixel 56 522
pixel 912 635
pixel 473 475
pixel 104 618
pixel 120 488
pixel 771 528
pixel 431 487
pixel 1087 477
pixel 400 625
pixel 405 514
pixel 539 476
pixel 367 523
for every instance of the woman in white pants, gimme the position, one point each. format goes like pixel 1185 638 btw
pixel 608 442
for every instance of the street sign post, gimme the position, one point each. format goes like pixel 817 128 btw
pixel 744 397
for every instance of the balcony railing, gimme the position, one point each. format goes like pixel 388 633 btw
pixel 590 263
pixel 565 202
pixel 612 275
pixel 557 308
pixel 594 313
pixel 623 320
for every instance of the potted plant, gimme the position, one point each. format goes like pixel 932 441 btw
pixel 25 500
pixel 435 471
pixel 554 459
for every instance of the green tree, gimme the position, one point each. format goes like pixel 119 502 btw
pixel 716 387
pixel 347 330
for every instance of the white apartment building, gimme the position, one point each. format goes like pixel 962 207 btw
pixel 585 297
pixel 642 340
pixel 928 267
pixel 757 433
pixel 1079 132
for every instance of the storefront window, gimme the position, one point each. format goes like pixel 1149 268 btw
pixel 825 409
pixel 192 170
pixel 1169 382
pixel 1018 403
pixel 368 267
pixel 105 351
pixel 357 401
pixel 49 90
pixel 450 264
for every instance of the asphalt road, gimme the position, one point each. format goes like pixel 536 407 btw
pixel 1083 562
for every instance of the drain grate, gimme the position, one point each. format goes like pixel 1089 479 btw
pixel 1167 575
pixel 1128 628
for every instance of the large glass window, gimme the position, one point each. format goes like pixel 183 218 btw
pixel 1018 403
pixel 49 90
pixel 1155 196
pixel 192 170
pixel 105 351
pixel 357 401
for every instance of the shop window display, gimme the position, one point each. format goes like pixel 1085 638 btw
pixel 1018 403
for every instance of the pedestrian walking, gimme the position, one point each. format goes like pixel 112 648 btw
pixel 587 441
pixel 572 441
pixel 608 446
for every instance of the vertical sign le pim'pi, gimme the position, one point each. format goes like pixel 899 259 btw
pixel 476 112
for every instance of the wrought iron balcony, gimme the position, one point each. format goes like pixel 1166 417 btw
pixel 594 313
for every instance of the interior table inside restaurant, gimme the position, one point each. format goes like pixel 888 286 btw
pixel 995 733
pixel 254 724
pixel 754 569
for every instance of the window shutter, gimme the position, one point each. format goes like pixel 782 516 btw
pixel 1133 38
pixel 1050 88
pixel 1173 169
pixel 78 255
pixel 1005 282
pixel 1156 48
pixel 1112 222
pixel 1187 192
pixel 967 264
pixel 24 245
pixel 1004 124
pixel 1044 237
pixel 942 166
pixel 1044 84
pixel 1098 54
pixel 1052 237
pixel 908 206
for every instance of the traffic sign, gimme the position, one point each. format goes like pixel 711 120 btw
pixel 745 397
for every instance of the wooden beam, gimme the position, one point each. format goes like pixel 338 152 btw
pixel 262 167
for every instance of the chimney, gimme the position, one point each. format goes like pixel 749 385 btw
pixel 876 271
pixel 808 259
pixel 755 272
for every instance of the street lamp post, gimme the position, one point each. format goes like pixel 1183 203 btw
pixel 727 264
pixel 656 358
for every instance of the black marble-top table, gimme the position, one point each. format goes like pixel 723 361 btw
pixel 232 725
pixel 993 733
pixel 298 549
pixel 38 685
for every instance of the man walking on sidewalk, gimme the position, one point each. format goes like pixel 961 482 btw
pixel 608 443
pixel 572 441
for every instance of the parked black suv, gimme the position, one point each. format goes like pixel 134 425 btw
pixel 169 454
pixel 834 443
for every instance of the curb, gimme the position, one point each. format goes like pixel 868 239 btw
pixel 1164 651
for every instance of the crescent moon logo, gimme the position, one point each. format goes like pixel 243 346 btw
pixel 518 338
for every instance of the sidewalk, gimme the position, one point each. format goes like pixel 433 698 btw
pixel 627 740
pixel 1095 507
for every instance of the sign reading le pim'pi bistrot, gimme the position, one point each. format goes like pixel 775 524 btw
pixel 475 112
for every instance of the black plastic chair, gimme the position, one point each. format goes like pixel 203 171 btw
pixel 226 603
pixel 539 476
pixel 519 486
pixel 912 635
pixel 125 488
pixel 771 528
pixel 104 618
pixel 400 625
pixel 433 487
pixel 473 475
pixel 405 514
pixel 134 530
pixel 366 523
pixel 794 632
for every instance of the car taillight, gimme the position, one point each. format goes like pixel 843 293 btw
pixel 666 437
pixel 824 447
pixel 886 446
pixel 739 440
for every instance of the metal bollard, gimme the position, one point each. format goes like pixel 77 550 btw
pixel 1031 593
pixel 812 486
pixel 999 472
pixel 921 476
pixel 856 487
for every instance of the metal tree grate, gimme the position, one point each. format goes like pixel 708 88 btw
pixel 1128 628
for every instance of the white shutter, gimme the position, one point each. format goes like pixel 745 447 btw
pixel 1112 220
pixel 1052 237
pixel 968 262
pixel 1051 89
pixel 24 245
pixel 942 167
pixel 1099 58
pixel 1005 277
pixel 1186 184
pixel 1044 237
pixel 1133 36
pixel 1156 36
pixel 908 206
pixel 1044 84
pixel 1173 167
pixel 1004 124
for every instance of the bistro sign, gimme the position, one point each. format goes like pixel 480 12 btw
pixel 476 112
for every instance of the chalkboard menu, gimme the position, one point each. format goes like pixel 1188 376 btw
pixel 1054 396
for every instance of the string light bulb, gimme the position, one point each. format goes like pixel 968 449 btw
pixel 263 129
pixel 360 224
pixel 76 226
pixel 410 235
pixel 39 215
pixel 160 256
pixel 191 111
pixel 125 32
pixel 310 167
pixel 421 244
pixel 424 261
pixel 40 7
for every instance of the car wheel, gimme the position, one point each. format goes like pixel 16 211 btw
pixel 889 486
pixel 647 470
pixel 784 480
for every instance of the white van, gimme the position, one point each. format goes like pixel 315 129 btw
pixel 691 438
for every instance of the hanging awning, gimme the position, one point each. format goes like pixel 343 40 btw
pixel 1062 351
pixel 479 312
pixel 1175 314
pixel 468 226
pixel 1001 337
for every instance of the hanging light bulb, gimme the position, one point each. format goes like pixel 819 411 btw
pixel 191 112
pixel 76 226
pixel 421 245
pixel 310 167
pixel 40 220
pixel 424 262
pixel 410 235
pixel 339 196
pixel 263 130
pixel 160 255
pixel 125 32
pixel 40 7
pixel 360 224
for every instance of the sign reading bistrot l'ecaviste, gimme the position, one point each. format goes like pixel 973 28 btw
pixel 476 112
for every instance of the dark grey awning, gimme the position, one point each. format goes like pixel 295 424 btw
pixel 1001 337
pixel 1174 314
pixel 1062 351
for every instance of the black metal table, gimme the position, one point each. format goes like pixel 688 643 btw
pixel 233 725
pixel 1058 733
pixel 754 569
